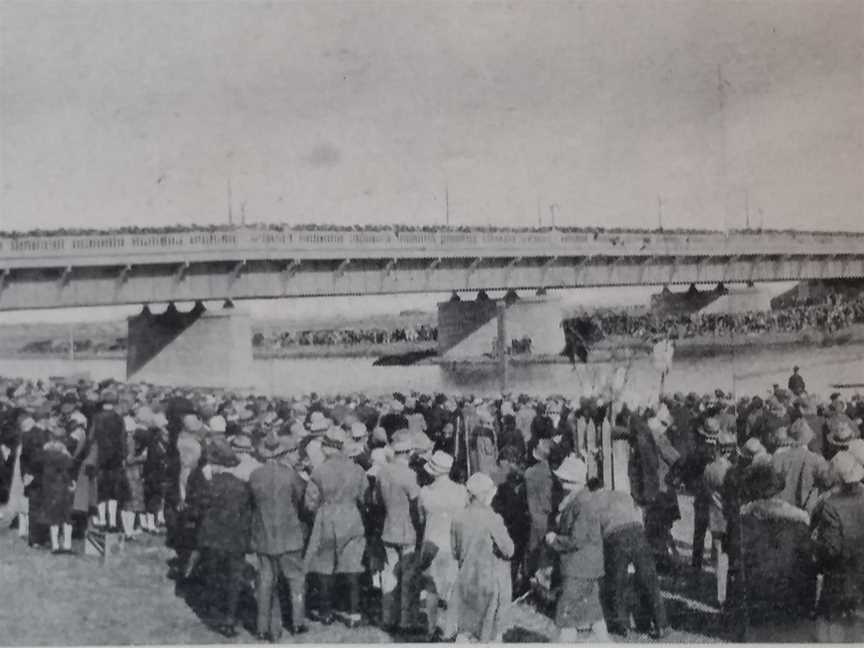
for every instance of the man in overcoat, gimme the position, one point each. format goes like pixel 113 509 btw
pixel 278 535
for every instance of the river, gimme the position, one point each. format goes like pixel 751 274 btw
pixel 743 373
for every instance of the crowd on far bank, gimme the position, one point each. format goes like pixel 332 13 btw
pixel 827 316
pixel 428 514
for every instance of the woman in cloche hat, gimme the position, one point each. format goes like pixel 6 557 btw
pixel 482 547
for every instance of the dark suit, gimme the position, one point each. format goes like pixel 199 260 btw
pixel 278 536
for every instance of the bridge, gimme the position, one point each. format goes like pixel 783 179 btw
pixel 213 348
pixel 52 271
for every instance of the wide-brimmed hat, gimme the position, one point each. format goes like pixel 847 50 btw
pixel 440 463
pixel 241 443
pixel 572 470
pixel 847 468
pixel 273 447
pixel 710 429
pixel 421 443
pixel 402 442
pixel 334 439
pixel 359 430
pixel 840 433
pixel 480 485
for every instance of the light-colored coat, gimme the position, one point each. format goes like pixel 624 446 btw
pixel 335 493
pixel 483 590
pixel 441 501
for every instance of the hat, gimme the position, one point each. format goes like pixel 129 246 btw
pixel 402 443
pixel 359 431
pixel 542 450
pixel 800 432
pixel 220 453
pixel 752 448
pixel 318 422
pixel 572 470
pixel 273 447
pixel 334 439
pixel 192 423
pixel 480 485
pixel 727 439
pixel 439 464
pixel 78 418
pixel 846 468
pixel 710 429
pixel 241 443
pixel 379 434
pixel 840 432
pixel 421 443
pixel 217 424
pixel 353 449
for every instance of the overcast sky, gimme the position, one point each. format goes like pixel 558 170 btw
pixel 133 113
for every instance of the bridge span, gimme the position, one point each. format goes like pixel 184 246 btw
pixel 54 270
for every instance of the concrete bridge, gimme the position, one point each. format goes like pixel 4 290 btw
pixel 213 348
pixel 54 271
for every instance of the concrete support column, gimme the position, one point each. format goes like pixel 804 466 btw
pixel 199 348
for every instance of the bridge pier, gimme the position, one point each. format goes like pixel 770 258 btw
pixel 199 348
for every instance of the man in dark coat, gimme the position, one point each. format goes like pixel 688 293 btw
pixel 31 469
pixel 225 529
pixel 538 491
pixel 838 522
pixel 278 536
pixel 796 383
pixel 109 436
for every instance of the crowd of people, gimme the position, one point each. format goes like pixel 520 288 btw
pixel 285 227
pixel 429 514
pixel 349 336
pixel 828 316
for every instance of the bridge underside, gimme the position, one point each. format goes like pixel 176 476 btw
pixel 29 288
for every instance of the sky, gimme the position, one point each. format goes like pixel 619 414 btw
pixel 578 113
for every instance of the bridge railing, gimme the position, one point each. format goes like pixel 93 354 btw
pixel 344 242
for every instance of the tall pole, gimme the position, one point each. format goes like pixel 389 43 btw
pixel 502 345
pixel 660 212
pixel 230 210
pixel 447 204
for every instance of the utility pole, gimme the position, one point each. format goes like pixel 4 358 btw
pixel 660 212
pixel 243 213
pixel 230 211
pixel 447 204
pixel 747 207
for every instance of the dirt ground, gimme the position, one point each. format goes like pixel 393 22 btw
pixel 73 600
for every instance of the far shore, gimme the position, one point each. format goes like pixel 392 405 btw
pixel 608 349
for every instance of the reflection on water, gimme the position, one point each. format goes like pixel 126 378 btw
pixel 744 373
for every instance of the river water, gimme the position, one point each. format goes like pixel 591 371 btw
pixel 743 373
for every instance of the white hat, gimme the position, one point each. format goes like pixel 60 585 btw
pixel 217 424
pixel 572 470
pixel 847 468
pixel 358 430
pixel 318 422
pixel 480 485
pixel 439 464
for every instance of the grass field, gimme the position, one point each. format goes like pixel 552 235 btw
pixel 73 600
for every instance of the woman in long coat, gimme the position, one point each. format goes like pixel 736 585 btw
pixel 482 547
pixel 439 502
